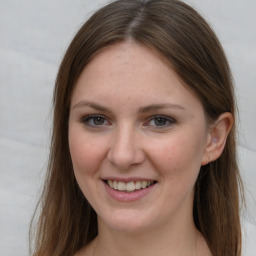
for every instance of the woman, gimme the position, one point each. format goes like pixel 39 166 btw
pixel 143 156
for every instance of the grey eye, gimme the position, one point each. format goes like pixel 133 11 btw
pixel 94 120
pixel 160 121
pixel 98 120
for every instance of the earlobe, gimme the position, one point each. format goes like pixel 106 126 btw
pixel 217 136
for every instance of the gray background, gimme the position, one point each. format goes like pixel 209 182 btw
pixel 33 37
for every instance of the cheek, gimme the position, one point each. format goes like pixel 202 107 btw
pixel 178 155
pixel 86 153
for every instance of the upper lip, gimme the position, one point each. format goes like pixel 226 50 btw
pixel 126 180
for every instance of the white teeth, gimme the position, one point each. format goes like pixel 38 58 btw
pixel 144 184
pixel 138 185
pixel 121 186
pixel 115 186
pixel 130 186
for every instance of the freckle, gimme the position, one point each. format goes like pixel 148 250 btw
pixel 128 98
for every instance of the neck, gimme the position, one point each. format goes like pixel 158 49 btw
pixel 170 239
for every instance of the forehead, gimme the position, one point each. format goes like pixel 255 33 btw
pixel 131 72
pixel 125 59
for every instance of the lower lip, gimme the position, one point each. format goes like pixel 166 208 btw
pixel 128 196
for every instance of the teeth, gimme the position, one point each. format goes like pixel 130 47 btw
pixel 138 185
pixel 115 186
pixel 121 186
pixel 110 183
pixel 144 184
pixel 130 186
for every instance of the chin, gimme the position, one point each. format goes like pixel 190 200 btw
pixel 127 223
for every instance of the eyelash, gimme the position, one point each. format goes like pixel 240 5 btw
pixel 90 118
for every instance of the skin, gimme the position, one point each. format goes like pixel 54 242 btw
pixel 125 142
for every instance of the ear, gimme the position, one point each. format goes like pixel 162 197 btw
pixel 217 136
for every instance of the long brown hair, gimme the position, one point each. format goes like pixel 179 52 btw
pixel 66 221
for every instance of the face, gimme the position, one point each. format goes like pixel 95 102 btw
pixel 137 139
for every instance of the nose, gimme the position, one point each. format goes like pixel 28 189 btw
pixel 126 149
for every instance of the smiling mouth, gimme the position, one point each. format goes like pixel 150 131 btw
pixel 129 186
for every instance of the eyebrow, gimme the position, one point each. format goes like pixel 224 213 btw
pixel 144 109
pixel 160 106
pixel 92 105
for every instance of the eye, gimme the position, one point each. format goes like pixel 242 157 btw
pixel 94 120
pixel 159 121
